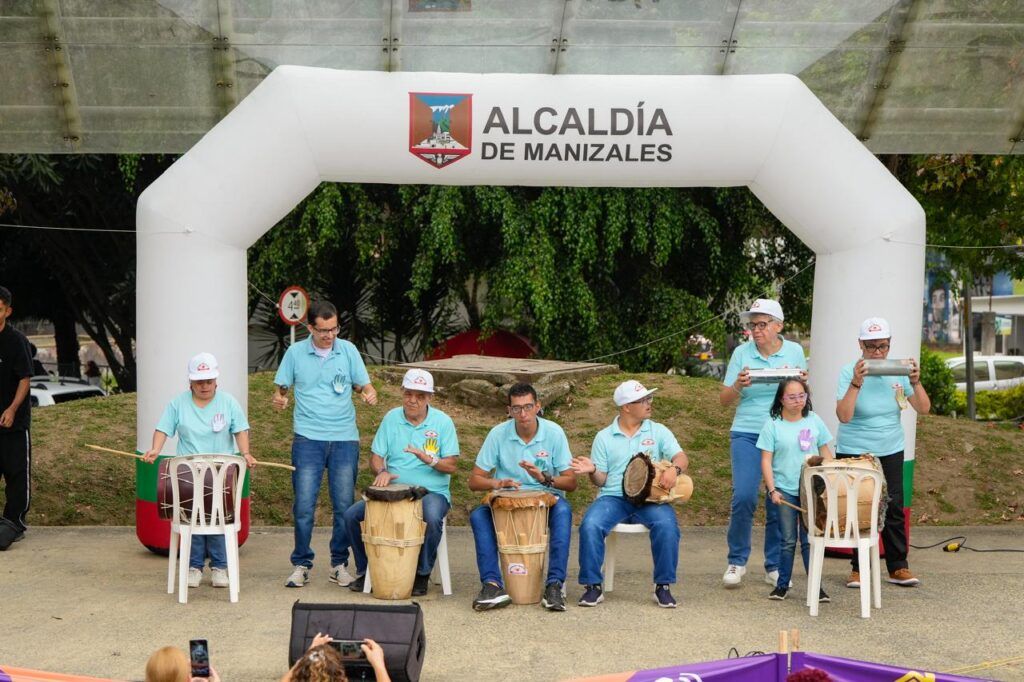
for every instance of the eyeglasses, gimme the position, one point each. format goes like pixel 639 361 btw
pixel 326 332
pixel 794 397
pixel 521 409
pixel 880 348
pixel 643 401
pixel 757 326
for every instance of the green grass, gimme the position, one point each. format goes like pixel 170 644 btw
pixel 966 473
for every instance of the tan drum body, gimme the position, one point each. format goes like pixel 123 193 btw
pixel 521 525
pixel 165 494
pixel 393 534
pixel 640 482
pixel 864 495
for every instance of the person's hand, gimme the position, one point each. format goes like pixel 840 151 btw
pixel 860 371
pixel 776 497
pixel 803 375
pixel 374 653
pixel 150 456
pixel 583 465
pixel 412 450
pixel 506 483
pixel 369 394
pixel 532 469
pixel 250 460
pixel 214 677
pixel 279 401
pixel 7 418
pixel 743 379
pixel 815 460
pixel 915 373
pixel 320 639
pixel 668 478
pixel 384 478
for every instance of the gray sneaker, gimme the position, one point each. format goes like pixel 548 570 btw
pixel 195 576
pixel 339 574
pixel 491 597
pixel 553 599
pixel 220 577
pixel 298 578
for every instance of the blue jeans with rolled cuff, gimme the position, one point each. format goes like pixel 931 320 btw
pixel 608 511
pixel 311 458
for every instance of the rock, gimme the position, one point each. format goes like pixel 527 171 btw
pixel 477 393
pixel 553 392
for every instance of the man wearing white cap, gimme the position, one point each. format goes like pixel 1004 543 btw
pixel 766 350
pixel 325 372
pixel 632 431
pixel 869 407
pixel 206 421
pixel 415 445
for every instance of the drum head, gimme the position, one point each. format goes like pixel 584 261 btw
pixel 637 479
pixel 518 499
pixel 394 492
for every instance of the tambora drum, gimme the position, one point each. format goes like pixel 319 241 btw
pixel 186 488
pixel 640 482
pixel 521 525
pixel 865 492
pixel 393 531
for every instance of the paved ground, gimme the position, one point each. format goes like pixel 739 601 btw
pixel 93 601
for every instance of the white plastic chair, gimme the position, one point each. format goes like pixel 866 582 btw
pixel 440 565
pixel 611 546
pixel 848 479
pixel 191 520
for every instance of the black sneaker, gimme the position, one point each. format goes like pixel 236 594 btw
pixel 823 598
pixel 553 599
pixel 592 596
pixel 420 585
pixel 779 593
pixel 358 584
pixel 491 597
pixel 664 597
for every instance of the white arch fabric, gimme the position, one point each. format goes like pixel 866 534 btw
pixel 305 125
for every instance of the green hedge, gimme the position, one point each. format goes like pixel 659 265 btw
pixel 937 380
pixel 995 405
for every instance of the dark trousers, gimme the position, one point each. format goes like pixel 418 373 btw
pixel 894 533
pixel 16 472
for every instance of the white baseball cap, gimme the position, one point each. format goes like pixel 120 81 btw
pixel 874 328
pixel 631 391
pixel 418 380
pixel 203 366
pixel 763 306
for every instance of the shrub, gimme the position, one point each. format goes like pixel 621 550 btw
pixel 938 382
pixel 995 405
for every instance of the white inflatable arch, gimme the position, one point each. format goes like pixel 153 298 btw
pixel 305 125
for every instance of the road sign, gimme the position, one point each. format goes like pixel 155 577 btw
pixel 293 305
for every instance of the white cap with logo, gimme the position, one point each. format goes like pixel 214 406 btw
pixel 203 366
pixel 418 380
pixel 874 328
pixel 631 391
pixel 763 306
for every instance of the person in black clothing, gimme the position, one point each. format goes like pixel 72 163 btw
pixel 15 440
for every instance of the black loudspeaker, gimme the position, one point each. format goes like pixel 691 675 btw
pixel 397 628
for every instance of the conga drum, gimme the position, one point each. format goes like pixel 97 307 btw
pixel 640 482
pixel 152 525
pixel 393 531
pixel 521 525
pixel 865 492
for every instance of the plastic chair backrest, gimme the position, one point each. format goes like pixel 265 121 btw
pixel 849 480
pixel 211 475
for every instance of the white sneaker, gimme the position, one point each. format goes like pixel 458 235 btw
pixel 733 575
pixel 195 576
pixel 220 577
pixel 772 578
pixel 298 578
pixel 339 574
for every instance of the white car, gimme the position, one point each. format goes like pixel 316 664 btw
pixel 48 390
pixel 991 372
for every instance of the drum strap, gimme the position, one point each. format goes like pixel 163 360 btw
pixel 522 549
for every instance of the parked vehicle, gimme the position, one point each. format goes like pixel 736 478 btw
pixel 991 372
pixel 49 390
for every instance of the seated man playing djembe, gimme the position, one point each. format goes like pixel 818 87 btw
pixel 415 445
pixel 631 432
pixel 526 453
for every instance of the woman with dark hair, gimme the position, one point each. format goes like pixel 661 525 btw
pixel 323 663
pixel 792 434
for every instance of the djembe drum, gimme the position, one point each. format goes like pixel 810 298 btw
pixel 393 531
pixel 521 525
pixel 865 492
pixel 640 482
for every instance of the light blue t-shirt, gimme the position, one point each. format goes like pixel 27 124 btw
pixel 756 400
pixel 613 449
pixel 875 426
pixel 790 443
pixel 323 389
pixel 204 430
pixel 395 433
pixel 503 449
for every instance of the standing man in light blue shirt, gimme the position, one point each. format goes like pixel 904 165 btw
pixel 325 372
pixel 526 452
pixel 415 445
pixel 631 432
pixel 766 350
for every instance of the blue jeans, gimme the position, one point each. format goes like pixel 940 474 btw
pixel 608 511
pixel 212 545
pixel 746 491
pixel 486 541
pixel 310 458
pixel 435 508
pixel 790 528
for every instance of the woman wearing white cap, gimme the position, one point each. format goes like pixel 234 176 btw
pixel 206 421
pixel 868 407
pixel 766 350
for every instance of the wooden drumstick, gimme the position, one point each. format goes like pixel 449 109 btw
pixel 289 467
pixel 793 506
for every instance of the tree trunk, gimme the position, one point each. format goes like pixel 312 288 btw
pixel 65 334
